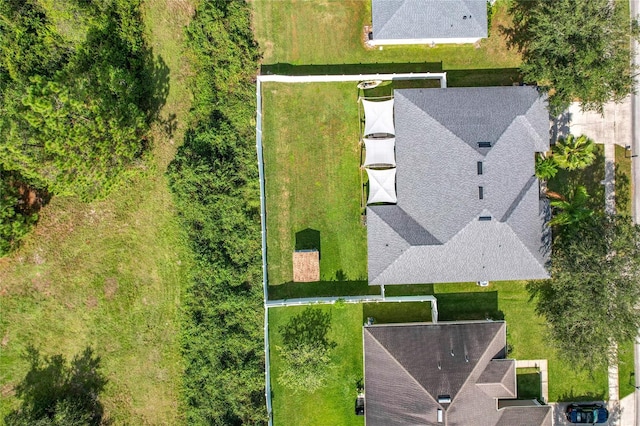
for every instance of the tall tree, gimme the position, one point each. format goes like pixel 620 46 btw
pixel 574 49
pixel 591 300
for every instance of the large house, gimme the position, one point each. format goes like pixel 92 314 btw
pixel 443 374
pixel 428 21
pixel 468 203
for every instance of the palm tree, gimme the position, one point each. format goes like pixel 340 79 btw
pixel 572 211
pixel 546 167
pixel 573 153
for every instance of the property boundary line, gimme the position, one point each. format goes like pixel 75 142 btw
pixel 442 76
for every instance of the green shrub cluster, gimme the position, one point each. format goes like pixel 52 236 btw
pixel 15 218
pixel 78 93
pixel 214 178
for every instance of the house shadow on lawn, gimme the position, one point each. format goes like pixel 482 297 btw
pixel 292 290
pixel 341 69
pixel 469 306
pixel 396 312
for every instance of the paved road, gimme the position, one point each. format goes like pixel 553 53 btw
pixel 635 185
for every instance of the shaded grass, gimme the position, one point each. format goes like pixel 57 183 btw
pixel 293 290
pixel 109 274
pixel 528 381
pixel 389 312
pixel 312 178
pixel 331 32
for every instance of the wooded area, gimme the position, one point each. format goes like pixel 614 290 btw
pixel 76 104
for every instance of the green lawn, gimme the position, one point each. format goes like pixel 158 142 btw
pixel 331 32
pixel 109 274
pixel 333 404
pixel 312 179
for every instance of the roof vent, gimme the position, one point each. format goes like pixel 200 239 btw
pixel 484 144
pixel 444 399
pixel 464 17
pixel 484 218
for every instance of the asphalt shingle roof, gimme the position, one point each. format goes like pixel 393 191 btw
pixel 428 19
pixel 435 232
pixel 408 367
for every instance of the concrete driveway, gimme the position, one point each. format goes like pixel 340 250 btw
pixel 612 128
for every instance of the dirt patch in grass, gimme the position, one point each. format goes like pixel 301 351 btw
pixel 110 287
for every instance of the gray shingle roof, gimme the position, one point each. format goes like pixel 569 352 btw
pixel 408 366
pixel 434 232
pixel 428 19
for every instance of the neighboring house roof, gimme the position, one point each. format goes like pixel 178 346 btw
pixel 409 367
pixel 428 19
pixel 438 231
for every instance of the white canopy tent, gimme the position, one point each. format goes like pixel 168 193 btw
pixel 382 186
pixel 380 151
pixel 378 117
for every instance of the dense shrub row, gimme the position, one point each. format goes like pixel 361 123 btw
pixel 214 178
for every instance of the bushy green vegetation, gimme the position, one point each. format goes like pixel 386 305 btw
pixel 214 178
pixel 306 350
pixel 75 114
pixel 590 301
pixel 575 50
pixel 15 218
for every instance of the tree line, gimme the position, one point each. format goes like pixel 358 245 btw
pixel 214 178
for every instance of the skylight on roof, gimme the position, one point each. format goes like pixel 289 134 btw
pixel 484 144
pixel 484 218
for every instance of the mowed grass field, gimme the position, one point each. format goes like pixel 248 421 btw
pixel 109 274
pixel 302 32
pixel 312 178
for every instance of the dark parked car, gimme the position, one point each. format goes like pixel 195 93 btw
pixel 587 413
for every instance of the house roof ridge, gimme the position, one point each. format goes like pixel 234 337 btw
pixel 475 368
pixel 401 367
pixel 400 6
